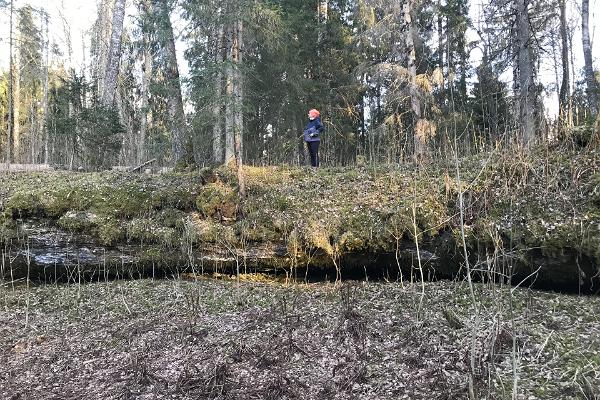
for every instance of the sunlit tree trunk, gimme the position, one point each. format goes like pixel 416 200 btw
pixel 565 89
pixel 114 54
pixel 120 102
pixel 525 66
pixel 45 100
pixel 415 102
pixel 323 16
pixel 229 102
pixel 440 31
pixel 175 110
pixel 590 79
pixel 217 132
pixel 10 88
pixel 146 79
pixel 16 102
pixel 101 43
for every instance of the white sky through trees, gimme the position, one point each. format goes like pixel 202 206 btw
pixel 76 17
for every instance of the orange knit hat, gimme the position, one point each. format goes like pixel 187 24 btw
pixel 314 113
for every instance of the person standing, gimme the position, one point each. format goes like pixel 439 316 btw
pixel 312 136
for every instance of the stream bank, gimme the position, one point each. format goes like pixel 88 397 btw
pixel 48 254
pixel 524 216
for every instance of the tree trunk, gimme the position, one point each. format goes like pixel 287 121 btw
pixel 146 79
pixel 229 102
pixel 323 16
pixel 128 137
pixel 590 79
pixel 102 34
pixel 525 66
pixel 174 97
pixel 10 88
pixel 16 102
pixel 415 102
pixel 45 100
pixel 217 132
pixel 68 43
pixel 440 31
pixel 114 55
pixel 565 89
pixel 238 95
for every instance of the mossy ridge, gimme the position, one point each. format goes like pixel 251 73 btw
pixel 101 203
pixel 528 201
pixel 349 210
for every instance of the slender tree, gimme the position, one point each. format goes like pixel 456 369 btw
pixel 525 70
pixel 100 45
pixel 217 129
pixel 114 55
pixel 45 93
pixel 229 95
pixel 565 87
pixel 415 102
pixel 238 93
pixel 11 103
pixel 590 79
pixel 146 79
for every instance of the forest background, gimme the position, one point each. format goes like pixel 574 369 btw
pixel 107 83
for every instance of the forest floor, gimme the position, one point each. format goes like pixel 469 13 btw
pixel 215 339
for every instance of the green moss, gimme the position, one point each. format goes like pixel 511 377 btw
pixel 78 221
pixel 172 218
pixel 144 230
pixel 199 230
pixel 217 200
pixel 109 231
pixel 122 202
pixel 349 242
pixel 55 202
pixel 335 210
pixel 7 228
pixel 22 204
pixel 258 233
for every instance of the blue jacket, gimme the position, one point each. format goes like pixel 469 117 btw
pixel 312 132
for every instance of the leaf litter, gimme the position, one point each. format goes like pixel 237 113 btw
pixel 210 339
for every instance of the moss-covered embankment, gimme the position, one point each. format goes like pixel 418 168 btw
pixel 522 213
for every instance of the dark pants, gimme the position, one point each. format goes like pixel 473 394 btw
pixel 313 149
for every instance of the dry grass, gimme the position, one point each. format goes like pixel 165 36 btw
pixel 221 340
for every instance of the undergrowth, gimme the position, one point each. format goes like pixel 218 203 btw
pixel 543 199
